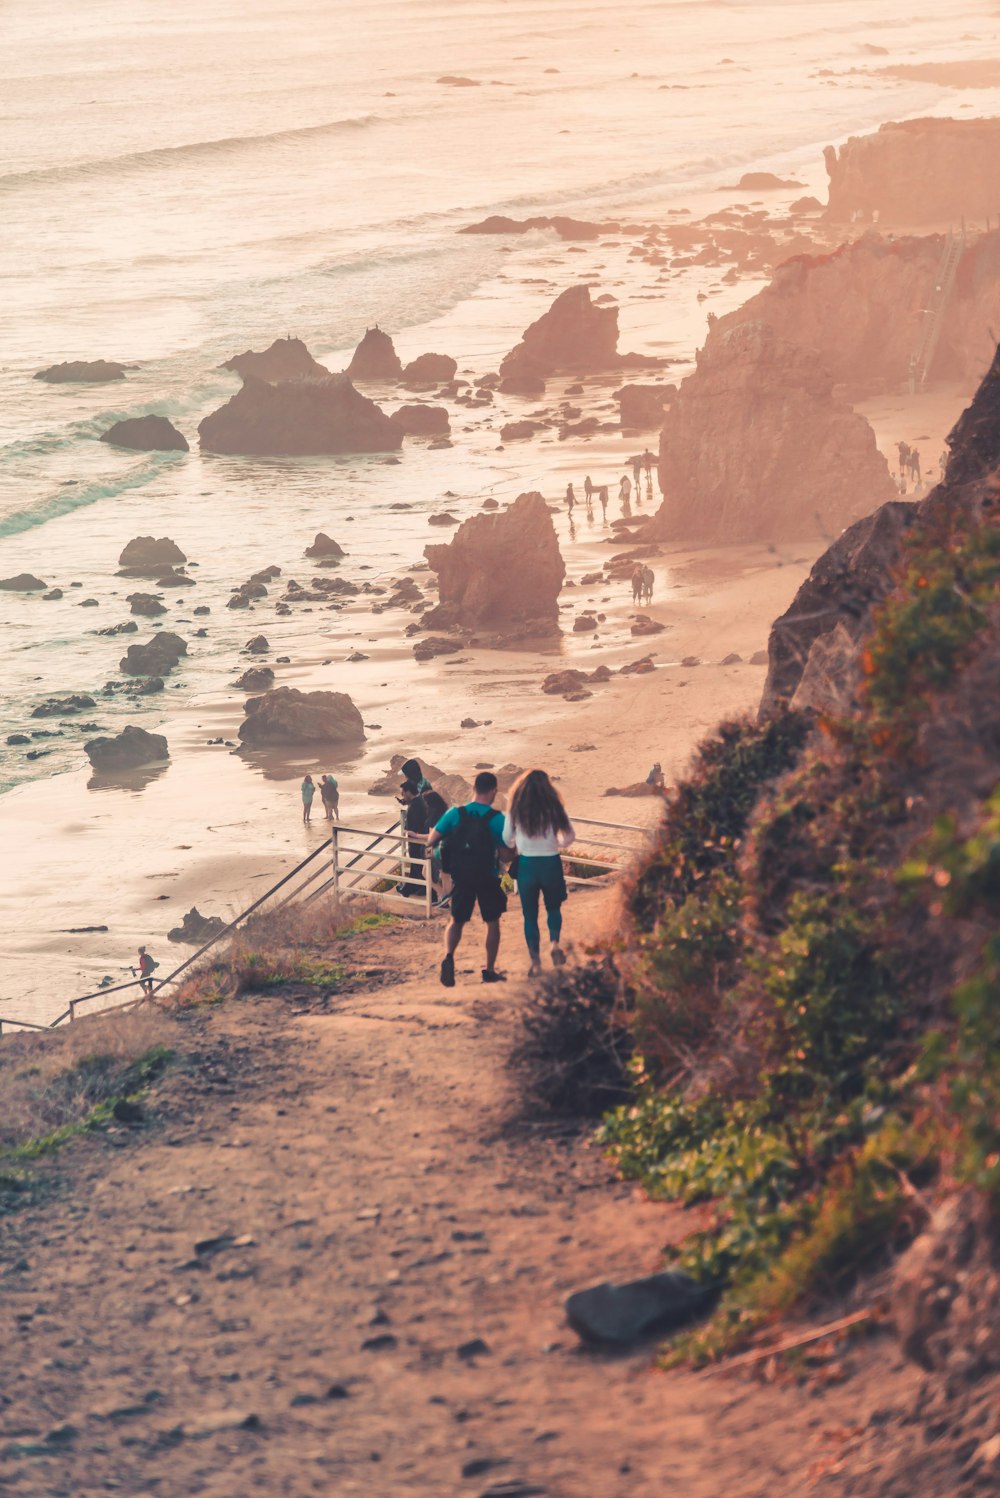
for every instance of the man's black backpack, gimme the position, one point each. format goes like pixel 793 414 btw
pixel 469 853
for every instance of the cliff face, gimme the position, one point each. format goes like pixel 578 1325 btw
pixel 755 448
pixel 918 172
pixel 862 308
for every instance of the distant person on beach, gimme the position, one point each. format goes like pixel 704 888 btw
pixel 410 770
pixel 915 465
pixel 417 826
pixel 647 463
pixel 538 830
pixel 570 498
pixel 588 489
pixel 308 792
pixel 330 792
pixel 943 463
pixel 648 579
pixel 473 842
pixel 904 457
pixel 655 777
pixel 637 471
pixel 602 495
pixel 636 583
pixel 147 967
pixel 625 489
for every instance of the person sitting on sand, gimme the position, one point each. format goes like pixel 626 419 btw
pixel 308 792
pixel 636 583
pixel 655 777
pixel 147 967
pixel 538 830
pixel 625 489
pixel 473 841
pixel 330 792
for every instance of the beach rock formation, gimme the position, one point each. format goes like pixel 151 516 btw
pixel 24 582
pixel 286 359
pixel 157 657
pixel 756 448
pixel 286 715
pixel 641 406
pixel 422 421
pixel 325 547
pixel 574 334
pixel 82 372
pixel 58 707
pixel 255 679
pixel 299 418
pixel 566 228
pixel 925 171
pixel 430 369
pixel 146 604
pixel 146 434
pixel 502 569
pixel 864 307
pixel 196 929
pixel 375 358
pixel 127 750
pixel 148 556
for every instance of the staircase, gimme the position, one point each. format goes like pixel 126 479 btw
pixel 932 325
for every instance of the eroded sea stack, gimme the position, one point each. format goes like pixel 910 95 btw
pixel 299 418
pixel 756 448
pixel 573 335
pixel 503 571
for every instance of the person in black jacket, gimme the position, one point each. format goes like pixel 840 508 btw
pixel 417 822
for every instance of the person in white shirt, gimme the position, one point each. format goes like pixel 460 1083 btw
pixel 538 830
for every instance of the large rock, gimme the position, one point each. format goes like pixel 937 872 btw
pixel 289 716
pixel 375 358
pixel 127 750
pixel 430 369
pixel 146 434
pixel 156 657
pixel 148 556
pixel 58 707
pixel 286 359
pixel 928 171
pixel 82 372
pixel 612 1315
pixel 422 421
pixel 501 570
pixel 641 406
pixel 575 334
pixel 324 546
pixel 299 418
pixel 24 582
pixel 196 929
pixel 146 604
pixel 756 448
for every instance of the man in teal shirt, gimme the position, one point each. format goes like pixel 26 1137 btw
pixel 473 846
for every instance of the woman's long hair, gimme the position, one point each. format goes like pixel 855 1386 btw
pixel 536 806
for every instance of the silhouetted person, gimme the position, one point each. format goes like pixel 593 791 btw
pixel 904 457
pixel 588 489
pixel 625 489
pixel 602 495
pixel 147 967
pixel 570 498
pixel 637 572
pixel 637 471
pixel 915 465
pixel 330 793
pixel 308 792
pixel 648 579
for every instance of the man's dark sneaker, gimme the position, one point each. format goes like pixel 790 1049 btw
pixel 448 971
pixel 493 977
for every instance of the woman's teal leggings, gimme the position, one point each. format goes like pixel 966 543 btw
pixel 541 877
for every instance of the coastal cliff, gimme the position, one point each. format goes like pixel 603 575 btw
pixel 909 172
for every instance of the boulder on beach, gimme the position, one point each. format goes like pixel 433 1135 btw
pixel 255 679
pixel 58 707
pixel 375 357
pixel 196 929
pixel 127 750
pixel 641 406
pixel 286 715
pixel 286 359
pixel 430 369
pixel 146 434
pixel 82 372
pixel 520 431
pixel 922 171
pixel 756 448
pixel 574 334
pixel 146 604
pixel 503 570
pixel 422 421
pixel 325 547
pixel 299 418
pixel 155 657
pixel 763 182
pixel 259 645
pixel 24 582
pixel 454 788
pixel 148 556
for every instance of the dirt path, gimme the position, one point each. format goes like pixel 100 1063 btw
pixel 388 1317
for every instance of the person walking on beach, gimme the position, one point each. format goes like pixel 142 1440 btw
pixel 903 449
pixel 655 777
pixel 473 841
pixel 570 498
pixel 538 830
pixel 602 495
pixel 147 967
pixel 637 473
pixel 647 463
pixel 648 579
pixel 588 489
pixel 308 792
pixel 637 572
pixel 330 793
pixel 915 465
pixel 625 489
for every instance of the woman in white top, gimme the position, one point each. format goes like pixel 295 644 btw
pixel 538 829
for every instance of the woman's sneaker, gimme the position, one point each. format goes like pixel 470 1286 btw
pixel 448 971
pixel 558 957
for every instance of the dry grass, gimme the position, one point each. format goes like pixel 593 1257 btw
pixel 53 1082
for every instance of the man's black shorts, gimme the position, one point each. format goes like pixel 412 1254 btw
pixel 486 892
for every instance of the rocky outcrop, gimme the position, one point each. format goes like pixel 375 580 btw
pixel 375 358
pixel 927 171
pixel 146 604
pixel 127 750
pixel 59 707
pixel 566 228
pixel 286 359
pixel 422 421
pixel 574 334
pixel 324 547
pixel 289 716
pixel 24 582
pixel 196 929
pixel 299 418
pixel 641 406
pixel 756 448
pixel 157 657
pixel 863 306
pixel 82 372
pixel 430 369
pixel 255 679
pixel 503 570
pixel 148 556
pixel 146 434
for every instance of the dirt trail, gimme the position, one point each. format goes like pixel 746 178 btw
pixel 389 1218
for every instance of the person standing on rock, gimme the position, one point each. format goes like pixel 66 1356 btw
pixel 637 572
pixel 308 792
pixel 472 845
pixel 570 498
pixel 330 792
pixel 538 830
